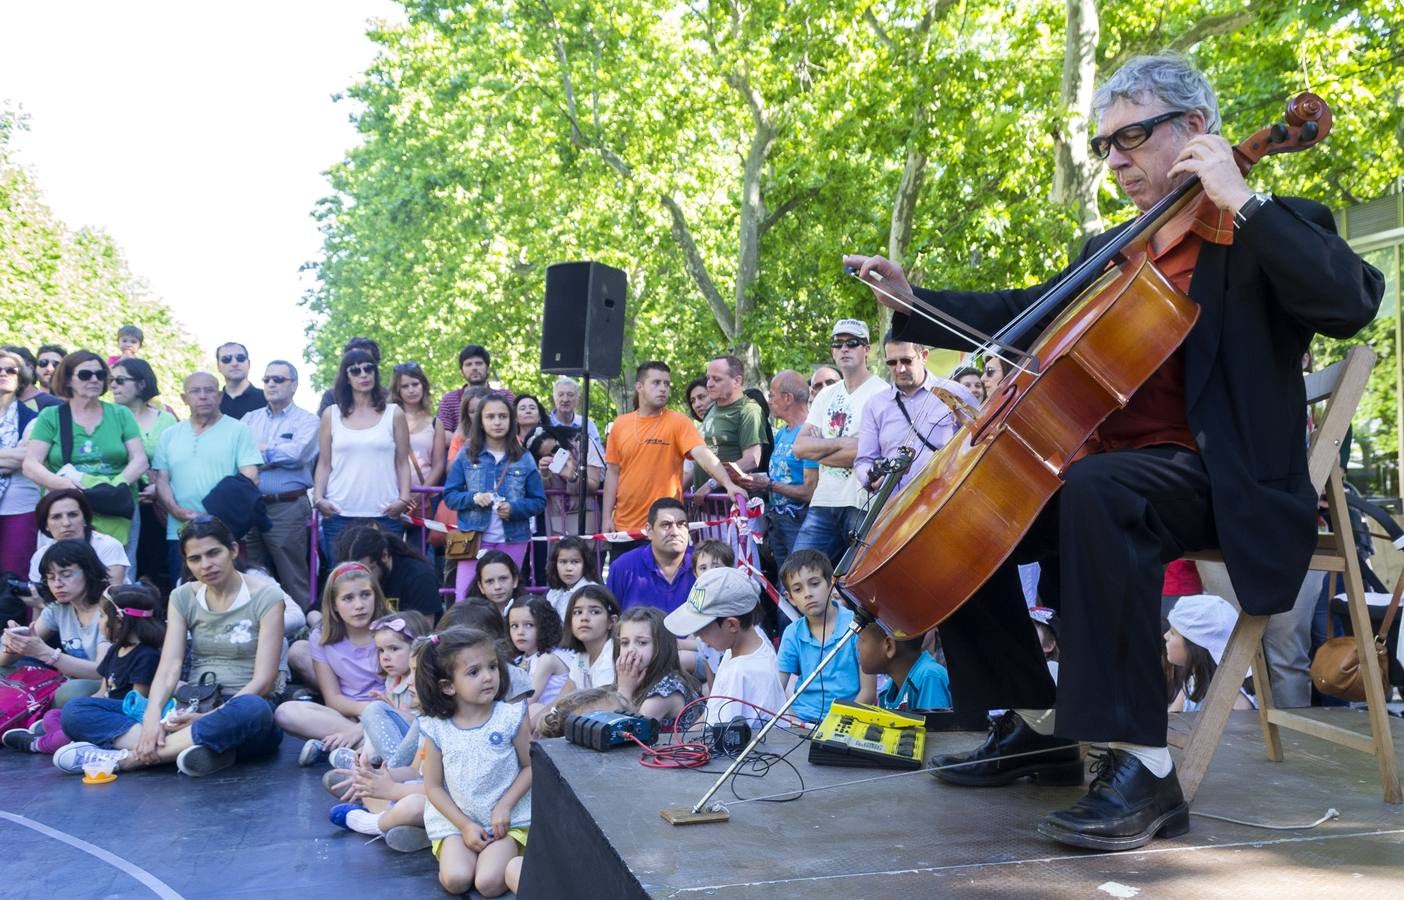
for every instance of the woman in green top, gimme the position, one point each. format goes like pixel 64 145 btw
pixel 107 443
pixel 134 386
pixel 236 629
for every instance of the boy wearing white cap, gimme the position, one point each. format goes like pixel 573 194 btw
pixel 721 612
pixel 830 437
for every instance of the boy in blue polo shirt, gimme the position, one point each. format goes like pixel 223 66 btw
pixel 918 681
pixel 808 579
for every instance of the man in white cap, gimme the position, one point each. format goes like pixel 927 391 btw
pixel 721 611
pixel 830 437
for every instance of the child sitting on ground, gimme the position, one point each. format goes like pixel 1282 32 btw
pixel 388 720
pixel 721 611
pixel 571 566
pixel 1200 627
pixel 590 618
pixel 535 631
pixel 476 612
pixel 808 578
pixel 646 667
pixel 345 660
pixel 477 766
pixel 128 620
pixel 917 680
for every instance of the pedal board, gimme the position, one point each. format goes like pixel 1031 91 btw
pixel 856 734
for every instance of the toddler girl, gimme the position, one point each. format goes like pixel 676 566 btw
pixel 590 616
pixel 477 770
pixel 646 665
pixel 1200 627
pixel 128 623
pixel 535 630
pixel 389 720
pixel 571 566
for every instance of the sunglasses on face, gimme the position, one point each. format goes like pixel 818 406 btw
pixel 276 379
pixel 820 385
pixel 234 357
pixel 851 344
pixel 9 370
pixel 88 374
pixel 1129 137
pixel 903 361
pixel 46 364
pixel 361 369
pixel 121 380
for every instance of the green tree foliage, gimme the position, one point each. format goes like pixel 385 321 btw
pixel 726 155
pixel 73 288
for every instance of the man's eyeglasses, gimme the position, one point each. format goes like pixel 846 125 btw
pixel 276 379
pixel 851 344
pixel 121 380
pixel 88 374
pixel 1129 137
pixel 46 364
pixel 361 369
pixel 902 361
pixel 9 370
pixel 234 357
pixel 820 385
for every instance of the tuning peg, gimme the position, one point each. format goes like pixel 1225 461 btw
pixel 1309 130
pixel 1279 133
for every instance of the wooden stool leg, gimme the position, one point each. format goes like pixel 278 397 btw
pixel 1218 703
pixel 1272 737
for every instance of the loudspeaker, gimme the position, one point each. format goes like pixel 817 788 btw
pixel 582 327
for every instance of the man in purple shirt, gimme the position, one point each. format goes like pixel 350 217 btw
pixel 660 572
pixel 474 362
pixel 907 414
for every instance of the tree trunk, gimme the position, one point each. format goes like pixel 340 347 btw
pixel 1076 174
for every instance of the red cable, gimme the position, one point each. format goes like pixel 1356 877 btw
pixel 673 756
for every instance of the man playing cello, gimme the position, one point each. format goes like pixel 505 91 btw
pixel 1209 452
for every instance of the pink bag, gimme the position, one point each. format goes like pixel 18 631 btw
pixel 26 694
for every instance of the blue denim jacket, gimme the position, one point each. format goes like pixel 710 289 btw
pixel 521 486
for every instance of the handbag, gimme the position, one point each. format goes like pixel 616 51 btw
pixel 462 545
pixel 105 499
pixel 1336 669
pixel 201 696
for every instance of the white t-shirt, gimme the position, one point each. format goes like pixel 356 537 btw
pixel 837 413
pixel 583 675
pixel 109 550
pixel 754 677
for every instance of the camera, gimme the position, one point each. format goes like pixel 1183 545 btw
pixel 19 586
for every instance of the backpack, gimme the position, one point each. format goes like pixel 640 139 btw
pixel 26 694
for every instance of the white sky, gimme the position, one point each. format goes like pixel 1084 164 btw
pixel 196 135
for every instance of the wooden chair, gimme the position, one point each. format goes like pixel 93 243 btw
pixel 1341 387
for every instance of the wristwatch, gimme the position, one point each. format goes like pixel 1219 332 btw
pixel 1250 208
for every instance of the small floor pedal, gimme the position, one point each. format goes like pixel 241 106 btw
pixel 685 816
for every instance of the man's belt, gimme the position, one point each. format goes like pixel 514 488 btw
pixel 285 496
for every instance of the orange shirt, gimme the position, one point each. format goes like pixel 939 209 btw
pixel 1156 412
pixel 649 451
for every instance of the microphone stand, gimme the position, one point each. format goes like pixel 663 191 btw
pixel 892 469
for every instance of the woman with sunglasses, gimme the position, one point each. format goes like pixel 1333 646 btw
pixel 18 495
pixel 363 471
pixel 107 446
pixel 134 386
pixel 233 628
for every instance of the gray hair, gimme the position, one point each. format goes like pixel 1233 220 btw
pixel 566 379
pixel 1169 78
pixel 292 369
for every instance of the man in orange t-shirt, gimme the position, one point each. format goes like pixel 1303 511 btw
pixel 645 453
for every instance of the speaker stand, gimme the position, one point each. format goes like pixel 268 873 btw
pixel 584 468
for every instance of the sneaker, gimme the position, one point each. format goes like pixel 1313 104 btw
pixel 342 758
pixel 311 753
pixel 21 739
pixel 38 727
pixel 69 758
pixel 335 781
pixel 339 813
pixel 199 760
pixel 302 694
pixel 407 838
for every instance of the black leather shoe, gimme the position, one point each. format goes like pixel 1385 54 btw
pixel 1125 808
pixel 1045 759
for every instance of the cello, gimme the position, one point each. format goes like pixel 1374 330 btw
pixel 1116 320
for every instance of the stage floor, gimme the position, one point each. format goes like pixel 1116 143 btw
pixel 912 836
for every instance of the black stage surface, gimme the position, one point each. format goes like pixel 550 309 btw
pixel 261 830
pixel 911 836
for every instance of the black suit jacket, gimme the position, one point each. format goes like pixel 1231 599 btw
pixel 1286 276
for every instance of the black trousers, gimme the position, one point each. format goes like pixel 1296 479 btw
pixel 1118 519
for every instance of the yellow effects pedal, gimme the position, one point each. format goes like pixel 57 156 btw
pixel 856 734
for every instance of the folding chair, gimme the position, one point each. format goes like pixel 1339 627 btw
pixel 1341 387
